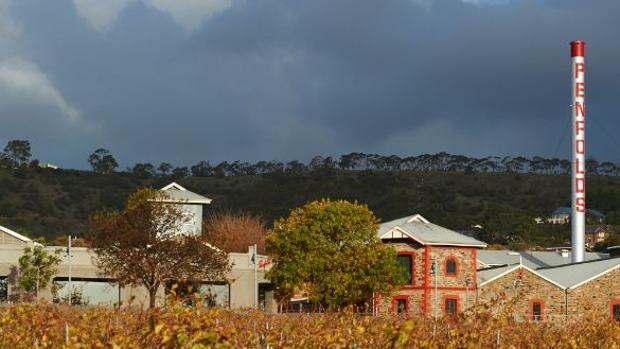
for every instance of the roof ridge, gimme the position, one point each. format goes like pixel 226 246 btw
pixel 578 263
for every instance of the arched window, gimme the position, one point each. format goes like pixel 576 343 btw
pixel 451 266
pixel 451 305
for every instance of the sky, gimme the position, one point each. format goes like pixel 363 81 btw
pixel 181 81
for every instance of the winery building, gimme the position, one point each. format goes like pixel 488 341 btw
pixel 451 273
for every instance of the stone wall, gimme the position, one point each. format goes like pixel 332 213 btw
pixel 421 295
pixel 513 293
pixel 594 297
pixel 466 266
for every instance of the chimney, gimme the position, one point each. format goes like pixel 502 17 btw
pixel 578 108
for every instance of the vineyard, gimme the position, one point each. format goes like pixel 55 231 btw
pixel 50 326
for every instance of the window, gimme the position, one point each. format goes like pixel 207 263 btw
pixel 86 291
pixel 450 306
pixel 405 261
pixel 3 289
pixel 615 312
pixel 451 267
pixel 400 304
pixel 536 310
pixel 614 308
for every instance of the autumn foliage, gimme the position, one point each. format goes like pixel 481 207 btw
pixel 142 246
pixel 43 326
pixel 235 232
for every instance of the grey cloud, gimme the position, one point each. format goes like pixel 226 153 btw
pixel 290 79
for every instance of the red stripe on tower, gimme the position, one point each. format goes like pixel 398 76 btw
pixel 578 48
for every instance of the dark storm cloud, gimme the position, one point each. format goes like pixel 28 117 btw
pixel 291 79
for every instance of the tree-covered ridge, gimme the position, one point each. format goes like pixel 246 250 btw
pixel 502 194
pixel 57 202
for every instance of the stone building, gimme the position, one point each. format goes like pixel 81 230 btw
pixel 441 263
pixel 526 285
pixel 563 292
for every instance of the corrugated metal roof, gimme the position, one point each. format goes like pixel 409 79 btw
pixel 421 230
pixel 576 274
pixel 177 193
pixel 531 259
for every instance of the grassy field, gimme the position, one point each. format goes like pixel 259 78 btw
pixel 50 326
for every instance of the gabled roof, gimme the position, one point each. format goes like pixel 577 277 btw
pixel 178 194
pixel 531 259
pixel 561 210
pixel 485 276
pixel 424 232
pixel 16 235
pixel 574 275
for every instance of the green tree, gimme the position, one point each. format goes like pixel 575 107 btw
pixel 102 161
pixel 37 267
pixel 331 250
pixel 141 246
pixel 164 168
pixel 17 152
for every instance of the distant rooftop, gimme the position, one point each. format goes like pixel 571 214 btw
pixel 532 259
pixel 178 194
pixel 568 211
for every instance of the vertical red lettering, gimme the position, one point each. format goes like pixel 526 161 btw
pixel 580 146
pixel 579 68
pixel 580 185
pixel 579 169
pixel 580 109
pixel 580 89
pixel 579 127
pixel 580 204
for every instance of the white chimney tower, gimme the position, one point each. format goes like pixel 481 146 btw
pixel 578 219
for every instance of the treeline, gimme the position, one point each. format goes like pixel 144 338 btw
pixel 17 153
pixel 373 162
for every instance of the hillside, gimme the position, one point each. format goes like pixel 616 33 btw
pixel 51 203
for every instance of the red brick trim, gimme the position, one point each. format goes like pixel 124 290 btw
pixel 531 308
pixel 612 302
pixel 456 266
pixel 450 296
pixel 412 271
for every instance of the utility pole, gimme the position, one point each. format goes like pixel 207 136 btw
pixel 69 256
pixel 255 259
